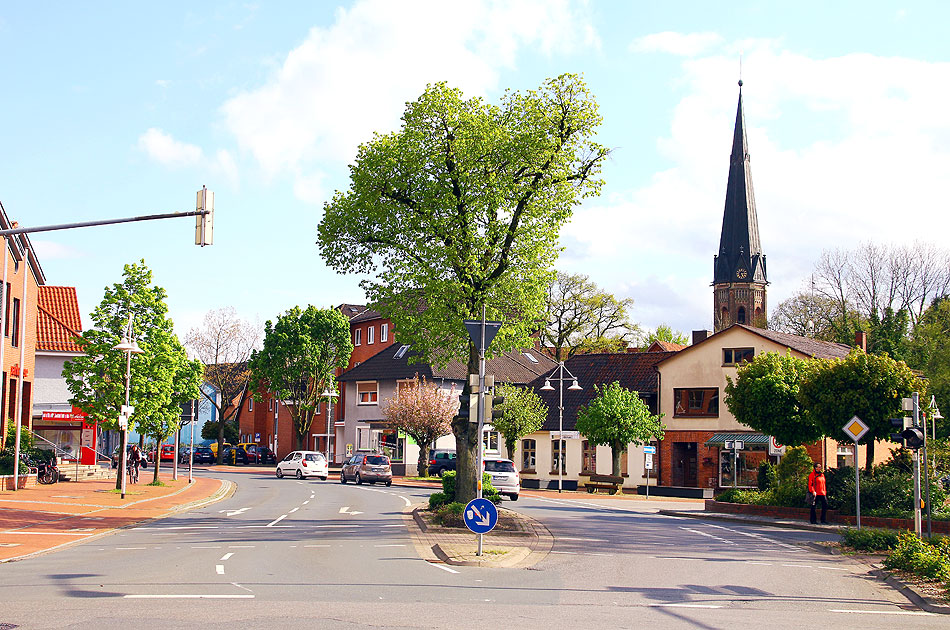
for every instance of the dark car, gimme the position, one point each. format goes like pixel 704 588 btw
pixel 203 455
pixel 260 455
pixel 235 455
pixel 369 467
pixel 440 460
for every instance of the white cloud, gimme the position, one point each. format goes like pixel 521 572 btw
pixel 351 79
pixel 164 149
pixel 844 150
pixel 681 44
pixel 51 250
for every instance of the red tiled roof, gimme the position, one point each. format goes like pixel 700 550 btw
pixel 58 320
pixel 664 346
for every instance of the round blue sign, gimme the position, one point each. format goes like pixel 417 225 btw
pixel 480 515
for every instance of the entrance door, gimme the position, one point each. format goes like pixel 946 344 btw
pixel 684 464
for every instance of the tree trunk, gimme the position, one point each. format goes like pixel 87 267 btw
pixel 510 446
pixel 220 453
pixel 466 441
pixel 869 464
pixel 158 459
pixel 616 450
pixel 423 459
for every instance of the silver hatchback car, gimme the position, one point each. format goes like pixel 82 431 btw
pixel 368 467
pixel 504 477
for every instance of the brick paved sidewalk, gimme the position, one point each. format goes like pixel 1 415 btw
pixel 44 518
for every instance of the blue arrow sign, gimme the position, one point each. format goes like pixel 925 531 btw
pixel 649 450
pixel 480 515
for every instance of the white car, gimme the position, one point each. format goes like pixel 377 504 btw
pixel 504 477
pixel 302 464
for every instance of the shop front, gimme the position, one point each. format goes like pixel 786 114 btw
pixel 739 467
pixel 71 434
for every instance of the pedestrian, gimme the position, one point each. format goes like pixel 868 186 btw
pixel 816 486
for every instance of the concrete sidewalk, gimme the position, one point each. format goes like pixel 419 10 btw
pixel 46 518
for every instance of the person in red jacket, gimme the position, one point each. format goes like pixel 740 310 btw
pixel 816 485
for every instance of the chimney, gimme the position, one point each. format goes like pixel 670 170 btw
pixel 700 335
pixel 861 340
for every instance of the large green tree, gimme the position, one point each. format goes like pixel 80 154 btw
pixel 869 386
pixel 617 417
pixel 300 354
pixel 461 209
pixel 523 413
pixel 161 377
pixel 582 317
pixel 764 396
pixel 929 351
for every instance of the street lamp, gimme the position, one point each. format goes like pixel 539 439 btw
pixel 329 394
pixel 129 347
pixel 560 378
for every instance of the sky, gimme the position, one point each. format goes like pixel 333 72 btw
pixel 116 110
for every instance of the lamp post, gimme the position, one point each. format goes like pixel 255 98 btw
pixel 129 347
pixel 329 394
pixel 560 378
pixel 934 413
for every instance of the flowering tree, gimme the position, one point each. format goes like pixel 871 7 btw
pixel 424 412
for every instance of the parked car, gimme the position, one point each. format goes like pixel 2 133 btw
pixel 504 477
pixel 302 464
pixel 367 467
pixel 260 455
pixel 167 453
pixel 214 447
pixel 203 455
pixel 440 460
pixel 235 455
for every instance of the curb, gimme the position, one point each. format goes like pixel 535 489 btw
pixel 517 555
pixel 907 590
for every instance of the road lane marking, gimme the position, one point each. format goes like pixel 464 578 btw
pixel 243 588
pixel 340 526
pixel 389 545
pixel 293 510
pixel 226 556
pixel 234 512
pixel 316 545
pixel 219 569
pixel 441 566
pixel 696 531
pixel 184 527
pixel 128 548
pixel 189 596
pixel 276 520
pixel 206 546
pixel 754 535
pixel 881 612
pixel 306 502
pixel 346 510
pixel 408 503
pixel 683 606
pixel 241 546
pixel 800 566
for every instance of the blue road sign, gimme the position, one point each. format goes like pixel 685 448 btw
pixel 481 515
pixel 649 450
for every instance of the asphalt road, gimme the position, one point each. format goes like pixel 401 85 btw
pixel 281 552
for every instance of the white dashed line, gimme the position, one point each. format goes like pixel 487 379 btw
pixel 316 545
pixel 683 606
pixel 293 510
pixel 881 612
pixel 219 569
pixel 442 566
pixel 389 545
pixel 581 539
pixel 696 531
pixel 226 556
pixel 306 502
pixel 276 520
pixel 128 548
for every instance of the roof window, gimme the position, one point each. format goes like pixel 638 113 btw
pixel 401 352
pixel 530 357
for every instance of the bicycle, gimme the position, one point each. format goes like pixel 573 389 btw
pixel 133 473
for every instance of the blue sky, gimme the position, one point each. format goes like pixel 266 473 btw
pixel 123 109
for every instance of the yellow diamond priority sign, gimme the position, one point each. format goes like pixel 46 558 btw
pixel 855 428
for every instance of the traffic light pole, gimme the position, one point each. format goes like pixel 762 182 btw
pixel 917 524
pixel 481 421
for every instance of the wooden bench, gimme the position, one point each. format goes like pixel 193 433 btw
pixel 604 482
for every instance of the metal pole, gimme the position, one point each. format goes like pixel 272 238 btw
pixel 857 486
pixel 69 226
pixel 927 483
pixel 175 469
pixel 735 466
pixel 917 523
pixel 3 345
pixel 648 483
pixel 560 426
pixel 18 411
pixel 481 419
pixel 191 451
pixel 123 461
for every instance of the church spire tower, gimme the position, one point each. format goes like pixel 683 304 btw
pixel 739 276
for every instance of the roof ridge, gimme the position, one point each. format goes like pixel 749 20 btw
pixel 59 321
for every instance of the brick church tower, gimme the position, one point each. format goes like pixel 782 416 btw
pixel 739 277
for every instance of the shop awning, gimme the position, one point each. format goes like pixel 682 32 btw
pixel 719 439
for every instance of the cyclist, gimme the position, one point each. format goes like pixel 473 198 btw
pixel 135 458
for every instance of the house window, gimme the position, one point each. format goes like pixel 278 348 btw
pixel 590 457
pixel 6 326
pixel 367 393
pixel 370 335
pixel 700 402
pixel 383 333
pixel 15 339
pixel 735 356
pixel 270 404
pixel 491 441
pixel 358 337
pixel 740 315
pixel 250 404
pixel 363 439
pixel 529 455
pixel 558 455
pixel 401 352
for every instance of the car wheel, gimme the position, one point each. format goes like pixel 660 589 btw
pixel 389 483
pixel 359 480
pixel 299 474
pixel 280 473
pixel 342 477
pixel 323 478
pixel 513 497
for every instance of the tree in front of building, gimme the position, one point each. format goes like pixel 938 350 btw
pixel 302 349
pixel 224 343
pixel 211 430
pixel 764 396
pixel 869 386
pixel 523 413
pixel 424 412
pixel 161 377
pixel 582 317
pixel 461 209
pixel 664 332
pixel 617 417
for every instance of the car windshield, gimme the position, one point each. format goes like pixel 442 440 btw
pixel 496 466
pixel 202 450
pixel 314 457
pixel 377 459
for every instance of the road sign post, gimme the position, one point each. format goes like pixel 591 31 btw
pixel 855 428
pixel 648 452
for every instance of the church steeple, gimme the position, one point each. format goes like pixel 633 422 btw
pixel 739 273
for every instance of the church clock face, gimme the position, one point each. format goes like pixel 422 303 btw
pixel 741 274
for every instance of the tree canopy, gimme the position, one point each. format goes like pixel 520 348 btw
pixel 424 411
pixel 664 332
pixel 616 417
pixel 162 377
pixel 461 208
pixel 764 396
pixel 583 317
pixel 300 354
pixel 523 413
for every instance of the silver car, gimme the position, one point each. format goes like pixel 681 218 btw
pixel 504 477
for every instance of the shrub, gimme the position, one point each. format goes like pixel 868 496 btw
pixel 916 556
pixel 792 477
pixel 887 492
pixel 450 515
pixel 488 491
pixel 748 497
pixel 437 500
pixel 767 476
pixel 448 484
pixel 869 539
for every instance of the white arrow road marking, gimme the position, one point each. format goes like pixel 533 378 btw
pixel 346 510
pixel 234 512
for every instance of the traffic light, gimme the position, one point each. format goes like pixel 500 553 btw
pixel 494 407
pixel 468 407
pixel 204 223
pixel 900 425
pixel 913 438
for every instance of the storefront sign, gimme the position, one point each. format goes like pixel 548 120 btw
pixel 15 371
pixel 565 435
pixel 64 416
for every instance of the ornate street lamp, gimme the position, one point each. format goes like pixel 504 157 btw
pixel 560 378
pixel 129 347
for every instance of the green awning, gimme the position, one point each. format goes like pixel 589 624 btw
pixel 749 438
